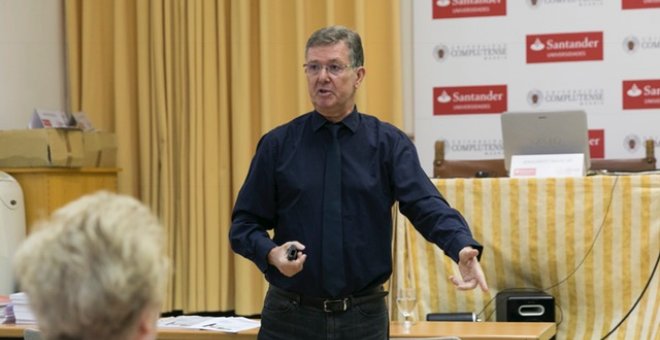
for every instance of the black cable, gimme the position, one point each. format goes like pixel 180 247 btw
pixel 591 246
pixel 484 309
pixel 639 298
pixel 561 314
pixel 489 315
pixel 584 258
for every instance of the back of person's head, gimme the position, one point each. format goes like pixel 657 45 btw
pixel 335 34
pixel 95 270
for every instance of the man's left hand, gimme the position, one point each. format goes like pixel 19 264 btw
pixel 470 269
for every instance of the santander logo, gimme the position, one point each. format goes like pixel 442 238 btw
pixel 563 47
pixel 469 99
pixel 597 143
pixel 639 4
pixel 447 9
pixel 641 94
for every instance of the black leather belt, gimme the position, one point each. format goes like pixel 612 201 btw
pixel 333 305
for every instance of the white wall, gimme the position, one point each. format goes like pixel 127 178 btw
pixel 31 59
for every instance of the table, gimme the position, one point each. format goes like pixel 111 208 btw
pixel 476 330
pixel 591 242
pixel 422 329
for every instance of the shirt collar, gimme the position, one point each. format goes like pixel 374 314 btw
pixel 351 121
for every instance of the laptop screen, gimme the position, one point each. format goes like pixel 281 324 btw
pixel 540 133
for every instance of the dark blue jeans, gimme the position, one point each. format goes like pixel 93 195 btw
pixel 284 318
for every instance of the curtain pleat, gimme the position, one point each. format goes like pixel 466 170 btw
pixel 189 87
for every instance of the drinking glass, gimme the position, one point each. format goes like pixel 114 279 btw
pixel 406 301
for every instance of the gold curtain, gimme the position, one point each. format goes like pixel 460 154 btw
pixel 189 87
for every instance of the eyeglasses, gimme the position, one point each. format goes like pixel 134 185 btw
pixel 313 69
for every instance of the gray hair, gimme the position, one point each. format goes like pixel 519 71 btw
pixel 335 34
pixel 94 268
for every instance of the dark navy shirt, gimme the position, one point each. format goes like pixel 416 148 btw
pixel 283 191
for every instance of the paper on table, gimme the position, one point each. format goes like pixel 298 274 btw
pixel 184 321
pixel 222 324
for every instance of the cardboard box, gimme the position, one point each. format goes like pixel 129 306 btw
pixel 100 149
pixel 41 148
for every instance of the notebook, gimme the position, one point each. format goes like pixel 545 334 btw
pixel 540 133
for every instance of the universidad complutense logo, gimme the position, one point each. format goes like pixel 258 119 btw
pixel 632 43
pixel 447 9
pixel 563 47
pixel 453 100
pixel 639 4
pixel 486 51
pixel 566 96
pixel 597 143
pixel 641 94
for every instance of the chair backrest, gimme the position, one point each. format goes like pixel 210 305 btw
pixel 445 168
pixel 628 165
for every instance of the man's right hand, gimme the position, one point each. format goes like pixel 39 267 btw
pixel 278 257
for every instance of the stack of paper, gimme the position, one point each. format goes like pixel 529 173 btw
pixel 4 306
pixel 222 324
pixel 21 307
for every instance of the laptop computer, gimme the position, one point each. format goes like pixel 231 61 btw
pixel 540 133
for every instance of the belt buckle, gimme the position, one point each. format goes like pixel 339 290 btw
pixel 340 305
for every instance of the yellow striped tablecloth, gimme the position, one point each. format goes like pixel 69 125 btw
pixel 591 242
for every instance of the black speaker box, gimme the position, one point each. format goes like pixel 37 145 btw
pixel 524 306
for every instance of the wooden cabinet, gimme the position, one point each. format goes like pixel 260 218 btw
pixel 46 189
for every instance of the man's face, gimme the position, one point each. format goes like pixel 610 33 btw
pixel 332 93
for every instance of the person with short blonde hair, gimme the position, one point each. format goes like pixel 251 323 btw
pixel 96 269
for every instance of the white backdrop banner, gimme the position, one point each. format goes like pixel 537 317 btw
pixel 474 59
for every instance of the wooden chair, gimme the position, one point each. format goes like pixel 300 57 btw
pixel 444 168
pixel 628 165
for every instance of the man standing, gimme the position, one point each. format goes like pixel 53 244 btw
pixel 325 183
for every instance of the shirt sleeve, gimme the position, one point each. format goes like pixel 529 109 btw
pixel 420 201
pixel 254 210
